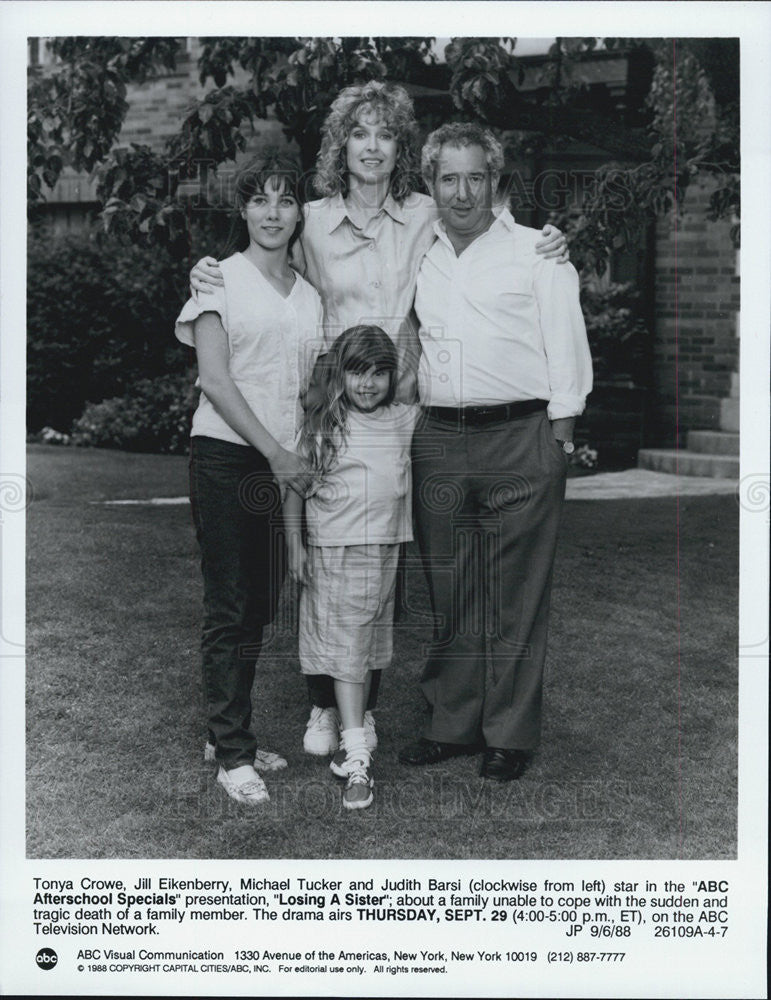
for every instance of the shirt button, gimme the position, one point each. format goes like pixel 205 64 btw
pixel 372 245
pixel 375 284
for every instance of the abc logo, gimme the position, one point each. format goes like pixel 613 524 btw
pixel 46 958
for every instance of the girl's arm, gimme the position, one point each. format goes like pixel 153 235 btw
pixel 293 515
pixel 211 345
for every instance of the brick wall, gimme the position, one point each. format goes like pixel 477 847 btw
pixel 158 106
pixel 155 111
pixel 697 300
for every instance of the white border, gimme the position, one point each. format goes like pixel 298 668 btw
pixel 740 971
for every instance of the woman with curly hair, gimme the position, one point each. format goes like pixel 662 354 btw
pixel 362 245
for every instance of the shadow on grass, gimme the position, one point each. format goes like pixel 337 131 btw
pixel 638 758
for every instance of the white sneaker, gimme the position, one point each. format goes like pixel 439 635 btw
pixel 322 733
pixel 264 760
pixel 244 785
pixel 370 735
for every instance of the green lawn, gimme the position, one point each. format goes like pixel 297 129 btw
pixel 638 758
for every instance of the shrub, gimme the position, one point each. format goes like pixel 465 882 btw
pixel 100 317
pixel 153 416
pixel 618 338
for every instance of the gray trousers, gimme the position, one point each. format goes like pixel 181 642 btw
pixel 487 509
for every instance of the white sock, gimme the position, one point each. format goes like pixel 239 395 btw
pixel 353 742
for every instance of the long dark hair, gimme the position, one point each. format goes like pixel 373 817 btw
pixel 254 177
pixel 325 426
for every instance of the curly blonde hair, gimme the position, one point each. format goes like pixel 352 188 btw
pixel 389 102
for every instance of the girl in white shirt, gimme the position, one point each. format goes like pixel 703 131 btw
pixel 356 438
pixel 257 337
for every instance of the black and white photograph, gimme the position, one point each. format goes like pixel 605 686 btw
pixel 383 457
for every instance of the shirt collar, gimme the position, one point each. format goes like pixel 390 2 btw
pixel 503 219
pixel 338 210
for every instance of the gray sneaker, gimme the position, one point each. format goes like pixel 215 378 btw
pixel 358 793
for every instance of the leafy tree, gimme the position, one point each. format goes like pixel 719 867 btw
pixel 75 114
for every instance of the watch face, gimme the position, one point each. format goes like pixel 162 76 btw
pixel 568 447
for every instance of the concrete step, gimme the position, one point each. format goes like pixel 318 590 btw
pixel 713 442
pixel 729 414
pixel 688 463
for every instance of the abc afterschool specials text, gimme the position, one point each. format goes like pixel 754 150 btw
pixel 252 927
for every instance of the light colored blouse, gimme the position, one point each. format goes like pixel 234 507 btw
pixel 367 275
pixel 273 343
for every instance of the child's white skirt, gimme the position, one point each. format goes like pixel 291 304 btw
pixel 347 610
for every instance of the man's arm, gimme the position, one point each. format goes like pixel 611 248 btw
pixel 568 359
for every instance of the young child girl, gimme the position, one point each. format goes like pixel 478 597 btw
pixel 356 437
pixel 257 338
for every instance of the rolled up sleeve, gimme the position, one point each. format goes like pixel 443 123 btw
pixel 568 359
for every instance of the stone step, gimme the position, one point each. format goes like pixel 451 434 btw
pixel 713 442
pixel 688 463
pixel 729 414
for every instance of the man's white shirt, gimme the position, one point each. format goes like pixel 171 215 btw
pixel 500 323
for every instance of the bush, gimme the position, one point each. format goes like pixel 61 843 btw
pixel 153 416
pixel 100 317
pixel 618 338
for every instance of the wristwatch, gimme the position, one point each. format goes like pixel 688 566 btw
pixel 567 446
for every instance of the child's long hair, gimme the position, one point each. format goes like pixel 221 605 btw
pixel 326 420
pixel 254 177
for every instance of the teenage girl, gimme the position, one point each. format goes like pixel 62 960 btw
pixel 257 337
pixel 356 438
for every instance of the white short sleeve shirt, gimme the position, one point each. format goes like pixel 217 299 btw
pixel 273 343
pixel 366 498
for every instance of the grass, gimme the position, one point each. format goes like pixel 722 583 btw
pixel 638 758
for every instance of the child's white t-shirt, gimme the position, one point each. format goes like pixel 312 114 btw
pixel 366 497
pixel 273 343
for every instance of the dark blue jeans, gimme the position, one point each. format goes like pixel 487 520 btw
pixel 236 509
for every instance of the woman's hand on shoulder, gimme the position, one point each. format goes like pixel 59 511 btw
pixel 553 245
pixel 205 274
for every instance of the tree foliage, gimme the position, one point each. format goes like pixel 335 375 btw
pixel 682 108
pixel 75 113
